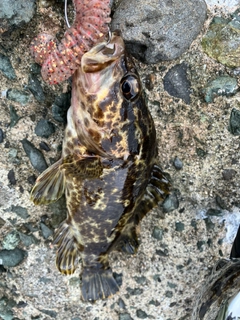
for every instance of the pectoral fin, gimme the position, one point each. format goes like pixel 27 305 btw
pixel 49 186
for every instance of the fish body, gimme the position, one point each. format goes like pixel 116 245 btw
pixel 108 169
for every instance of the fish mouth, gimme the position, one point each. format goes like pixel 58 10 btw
pixel 103 54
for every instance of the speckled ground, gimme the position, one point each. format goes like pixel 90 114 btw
pixel 163 280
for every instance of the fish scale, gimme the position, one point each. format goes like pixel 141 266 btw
pixel 108 170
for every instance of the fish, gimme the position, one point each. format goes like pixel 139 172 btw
pixel 108 170
pixel 219 298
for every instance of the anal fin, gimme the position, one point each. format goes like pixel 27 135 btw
pixel 68 249
pixel 98 284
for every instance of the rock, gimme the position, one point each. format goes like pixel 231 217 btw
pixel 228 174
pixel 176 82
pixel 135 291
pixel 34 85
pixel 170 203
pixel 221 86
pixel 6 66
pixel 12 258
pixel 60 107
pixel 35 156
pixel 6 307
pixel 177 163
pixel 18 96
pixel 179 226
pixel 234 122
pixel 13 116
pixel 157 233
pixel 213 212
pixel 121 303
pixel 11 177
pixel 46 232
pixel 20 211
pixel 125 316
pixel 141 314
pixel 11 240
pixel 44 128
pixel 222 41
pixel 159 30
pixel 1 136
pixel 43 145
pixel 28 240
pixel 50 313
pixel 18 12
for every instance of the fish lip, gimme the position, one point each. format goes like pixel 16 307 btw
pixel 103 54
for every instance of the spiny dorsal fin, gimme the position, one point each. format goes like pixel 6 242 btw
pixel 49 186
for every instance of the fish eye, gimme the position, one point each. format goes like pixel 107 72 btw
pixel 130 87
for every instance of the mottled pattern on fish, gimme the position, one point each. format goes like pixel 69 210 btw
pixel 108 169
pixel 59 61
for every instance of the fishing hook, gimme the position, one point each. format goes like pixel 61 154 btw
pixel 66 17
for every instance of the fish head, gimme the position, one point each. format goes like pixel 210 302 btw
pixel 108 102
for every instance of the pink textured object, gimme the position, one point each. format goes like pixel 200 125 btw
pixel 59 62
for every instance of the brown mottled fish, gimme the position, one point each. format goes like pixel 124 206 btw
pixel 108 169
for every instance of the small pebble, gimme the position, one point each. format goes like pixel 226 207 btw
pixel 221 86
pixel 209 224
pixel 46 232
pixel 125 316
pixel 234 122
pixel 11 240
pixel 60 107
pixel 179 226
pixel 121 303
pixel 34 85
pixel 141 280
pixel 213 212
pixel 6 67
pixel 35 156
pixel 220 202
pixel 177 163
pixel 43 145
pixel 13 116
pixel 50 313
pixel 176 82
pixel 1 136
pixel 157 233
pixel 170 203
pixel 20 211
pixel 228 174
pixel 141 314
pixel 44 128
pixel 6 308
pixel 28 240
pixel 12 258
pixel 135 291
pixel 11 177
pixel 200 245
pixel 18 96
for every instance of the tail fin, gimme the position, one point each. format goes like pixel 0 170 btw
pixel 98 284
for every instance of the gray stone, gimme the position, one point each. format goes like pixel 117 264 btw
pixel 11 240
pixel 177 163
pixel 13 116
pixel 6 66
pixel 179 226
pixel 34 85
pixel 28 240
pixel 60 107
pixel 12 258
pixel 6 307
pixel 221 86
pixel 125 316
pixel 1 136
pixel 35 156
pixel 213 212
pixel 228 174
pixel 234 122
pixel 159 30
pixel 18 12
pixel 176 82
pixel 141 314
pixel 18 96
pixel 170 203
pixel 157 233
pixel 20 211
pixel 46 232
pixel 44 128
